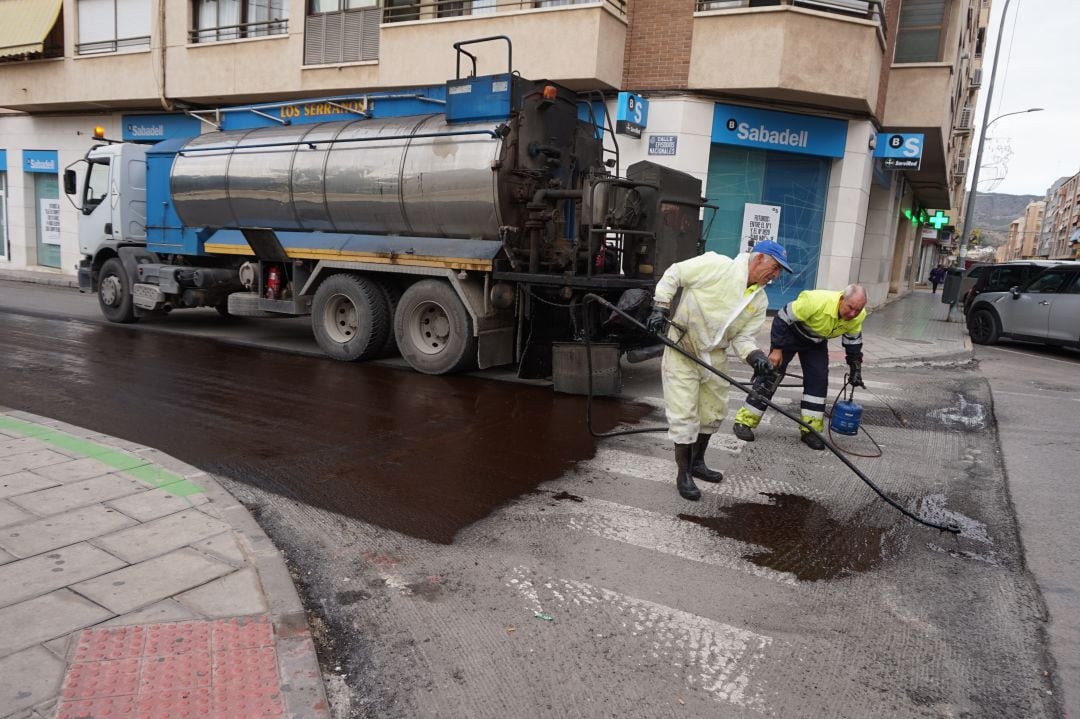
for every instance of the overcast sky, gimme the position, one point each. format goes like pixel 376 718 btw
pixel 1039 67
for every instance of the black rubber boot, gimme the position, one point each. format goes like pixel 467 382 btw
pixel 744 432
pixel 699 469
pixel 684 482
pixel 812 441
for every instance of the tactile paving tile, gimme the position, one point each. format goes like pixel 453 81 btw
pixel 115 677
pixel 101 708
pixel 102 644
pixel 162 639
pixel 223 669
pixel 242 633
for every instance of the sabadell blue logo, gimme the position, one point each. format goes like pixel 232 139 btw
pixel 766 134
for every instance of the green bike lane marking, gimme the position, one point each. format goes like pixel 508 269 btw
pixel 119 460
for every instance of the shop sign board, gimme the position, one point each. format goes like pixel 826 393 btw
pixel 782 131
pixel 900 150
pixel 632 114
pixel 154 128
pixel 40 161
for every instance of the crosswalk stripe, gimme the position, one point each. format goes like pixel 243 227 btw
pixel 658 469
pixel 714 657
pixel 657 532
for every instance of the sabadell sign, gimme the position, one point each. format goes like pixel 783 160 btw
pixel 783 131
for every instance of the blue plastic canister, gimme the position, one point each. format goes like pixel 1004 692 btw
pixel 846 417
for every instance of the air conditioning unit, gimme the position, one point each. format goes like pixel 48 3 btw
pixel 960 168
pixel 976 78
pixel 963 120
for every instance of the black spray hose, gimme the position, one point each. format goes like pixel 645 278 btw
pixel 950 527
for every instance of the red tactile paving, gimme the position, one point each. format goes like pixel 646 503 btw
pixel 224 669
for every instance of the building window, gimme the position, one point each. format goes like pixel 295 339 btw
pixel 921 31
pixel 111 25
pixel 339 31
pixel 217 20
pixel 462 8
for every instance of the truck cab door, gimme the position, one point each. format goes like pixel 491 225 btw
pixel 96 221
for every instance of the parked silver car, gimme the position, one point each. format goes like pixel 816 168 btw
pixel 1046 310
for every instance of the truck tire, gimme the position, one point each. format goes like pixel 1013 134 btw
pixel 392 294
pixel 350 318
pixel 433 329
pixel 114 292
pixel 983 326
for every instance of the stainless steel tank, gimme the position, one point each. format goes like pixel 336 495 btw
pixel 340 177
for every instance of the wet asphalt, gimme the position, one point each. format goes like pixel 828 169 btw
pixel 465 549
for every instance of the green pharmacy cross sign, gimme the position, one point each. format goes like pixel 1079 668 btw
pixel 939 220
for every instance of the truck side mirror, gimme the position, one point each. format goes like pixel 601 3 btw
pixel 1015 292
pixel 70 182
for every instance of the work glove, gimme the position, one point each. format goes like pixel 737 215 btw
pixel 658 320
pixel 760 362
pixel 855 372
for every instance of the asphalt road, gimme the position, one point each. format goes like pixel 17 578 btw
pixel 1037 403
pixel 466 550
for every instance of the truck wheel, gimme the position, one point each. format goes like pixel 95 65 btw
pixel 433 329
pixel 392 294
pixel 983 327
pixel 350 318
pixel 114 292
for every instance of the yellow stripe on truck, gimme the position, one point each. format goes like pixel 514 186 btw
pixel 380 258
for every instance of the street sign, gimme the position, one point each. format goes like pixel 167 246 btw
pixel 663 144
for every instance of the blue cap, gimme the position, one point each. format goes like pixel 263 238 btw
pixel 774 250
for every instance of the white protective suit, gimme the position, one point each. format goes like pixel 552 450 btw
pixel 718 311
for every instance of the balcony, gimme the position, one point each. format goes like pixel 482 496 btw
pixel 821 52
pixel 577 43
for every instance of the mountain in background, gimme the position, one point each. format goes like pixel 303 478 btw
pixel 995 211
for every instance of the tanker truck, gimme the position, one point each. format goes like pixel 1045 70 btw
pixel 460 225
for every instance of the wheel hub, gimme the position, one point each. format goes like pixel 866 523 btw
pixel 340 319
pixel 109 291
pixel 430 328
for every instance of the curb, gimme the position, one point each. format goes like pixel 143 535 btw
pixel 302 684
pixel 39 277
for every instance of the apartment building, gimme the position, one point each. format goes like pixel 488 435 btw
pixel 1024 235
pixel 844 121
pixel 1060 236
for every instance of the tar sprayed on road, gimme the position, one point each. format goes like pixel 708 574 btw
pixel 800 536
pixel 425 456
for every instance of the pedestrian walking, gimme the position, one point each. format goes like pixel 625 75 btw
pixel 937 276
pixel 804 327
pixel 721 304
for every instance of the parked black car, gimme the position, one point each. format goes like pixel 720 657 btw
pixel 999 278
pixel 1046 310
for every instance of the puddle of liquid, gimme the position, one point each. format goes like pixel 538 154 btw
pixel 425 456
pixel 798 535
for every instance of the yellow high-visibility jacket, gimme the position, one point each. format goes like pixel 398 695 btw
pixel 813 317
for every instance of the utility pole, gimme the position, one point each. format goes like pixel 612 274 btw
pixel 970 204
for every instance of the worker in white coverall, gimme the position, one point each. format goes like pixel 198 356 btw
pixel 722 304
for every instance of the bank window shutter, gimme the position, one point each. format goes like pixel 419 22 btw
pixel 351 35
pixel 369 41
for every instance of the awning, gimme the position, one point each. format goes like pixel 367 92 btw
pixel 24 25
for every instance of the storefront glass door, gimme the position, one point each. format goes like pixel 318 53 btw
pixel 798 184
pixel 47 207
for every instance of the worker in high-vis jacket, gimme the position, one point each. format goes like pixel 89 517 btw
pixel 721 303
pixel 804 327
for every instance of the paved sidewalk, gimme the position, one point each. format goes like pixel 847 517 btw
pixel 133 585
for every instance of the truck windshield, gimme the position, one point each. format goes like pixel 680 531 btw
pixel 97 184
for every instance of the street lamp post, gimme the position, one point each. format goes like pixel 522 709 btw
pixel 970 204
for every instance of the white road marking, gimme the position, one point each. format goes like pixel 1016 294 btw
pixel 714 657
pixel 1028 355
pixel 657 532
